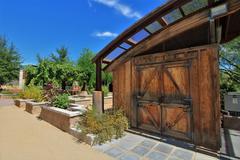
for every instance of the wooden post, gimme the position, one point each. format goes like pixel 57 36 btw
pixel 98 100
pixel 99 75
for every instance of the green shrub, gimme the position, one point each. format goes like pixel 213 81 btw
pixel 105 90
pixel 6 92
pixel 50 92
pixel 61 101
pixel 32 92
pixel 106 126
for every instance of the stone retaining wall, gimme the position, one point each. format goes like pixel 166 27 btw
pixel 34 108
pixel 60 118
pixel 21 103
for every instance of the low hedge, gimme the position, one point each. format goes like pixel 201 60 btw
pixel 105 126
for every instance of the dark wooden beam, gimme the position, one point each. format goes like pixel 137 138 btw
pixel 227 26
pixel 182 12
pixel 129 42
pixel 210 3
pixel 99 75
pixel 106 61
pixel 122 48
pixel 162 22
pixel 165 34
pixel 212 31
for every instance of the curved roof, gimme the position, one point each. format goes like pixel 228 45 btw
pixel 173 13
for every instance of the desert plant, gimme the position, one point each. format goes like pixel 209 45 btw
pixel 32 92
pixel 106 126
pixel 61 101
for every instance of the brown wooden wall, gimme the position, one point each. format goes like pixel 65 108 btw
pixel 204 78
pixel 122 95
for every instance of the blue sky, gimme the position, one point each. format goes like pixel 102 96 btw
pixel 41 26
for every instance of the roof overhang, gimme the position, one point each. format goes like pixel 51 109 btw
pixel 213 15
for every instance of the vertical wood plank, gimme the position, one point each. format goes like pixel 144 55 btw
pixel 99 75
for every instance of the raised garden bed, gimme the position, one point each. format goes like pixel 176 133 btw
pixel 21 103
pixel 87 101
pixel 60 118
pixel 34 107
pixel 89 138
pixel 7 96
pixel 231 122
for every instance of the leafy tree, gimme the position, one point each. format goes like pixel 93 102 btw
pixel 107 78
pixel 66 74
pixel 230 66
pixel 10 62
pixel 62 56
pixel 87 69
pixel 30 71
pixel 57 69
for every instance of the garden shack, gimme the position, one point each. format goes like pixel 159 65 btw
pixel 165 69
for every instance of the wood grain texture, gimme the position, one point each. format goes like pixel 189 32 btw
pixel 173 93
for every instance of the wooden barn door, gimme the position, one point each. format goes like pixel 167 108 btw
pixel 149 109
pixel 176 101
pixel 164 100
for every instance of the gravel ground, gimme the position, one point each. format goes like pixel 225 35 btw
pixel 6 102
pixel 24 137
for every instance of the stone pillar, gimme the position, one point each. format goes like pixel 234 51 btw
pixel 98 101
pixel 21 81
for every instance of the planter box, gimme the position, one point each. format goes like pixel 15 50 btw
pixel 7 96
pixel 86 101
pixel 21 103
pixel 34 107
pixel 60 118
pixel 89 138
pixel 231 122
pixel 108 102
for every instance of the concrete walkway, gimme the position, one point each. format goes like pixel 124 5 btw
pixel 24 137
pixel 6 102
pixel 134 147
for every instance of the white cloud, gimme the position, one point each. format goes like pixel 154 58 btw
pixel 105 34
pixel 122 8
pixel 89 3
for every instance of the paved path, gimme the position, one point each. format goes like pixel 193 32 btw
pixel 134 147
pixel 24 137
pixel 230 144
pixel 6 102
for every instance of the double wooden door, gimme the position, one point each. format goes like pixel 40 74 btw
pixel 164 100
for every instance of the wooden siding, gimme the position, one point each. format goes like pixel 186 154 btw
pixel 199 83
pixel 122 94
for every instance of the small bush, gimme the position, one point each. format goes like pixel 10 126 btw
pixel 50 92
pixel 106 126
pixel 61 101
pixel 105 91
pixel 32 92
pixel 6 92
